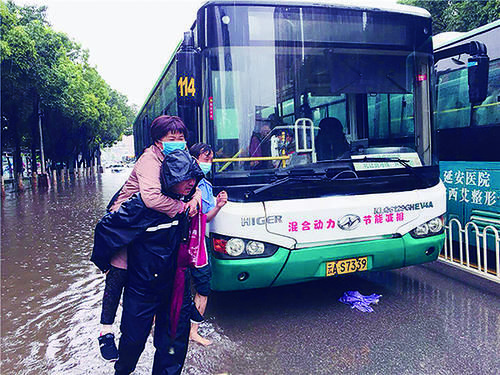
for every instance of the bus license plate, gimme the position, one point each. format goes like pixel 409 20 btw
pixel 339 267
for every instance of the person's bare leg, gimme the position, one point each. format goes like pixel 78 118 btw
pixel 106 328
pixel 201 304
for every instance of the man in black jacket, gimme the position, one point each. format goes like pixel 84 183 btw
pixel 153 241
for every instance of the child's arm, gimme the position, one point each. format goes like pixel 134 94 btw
pixel 221 201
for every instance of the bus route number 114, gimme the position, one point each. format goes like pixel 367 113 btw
pixel 186 86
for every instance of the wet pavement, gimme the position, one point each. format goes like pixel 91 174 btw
pixel 431 319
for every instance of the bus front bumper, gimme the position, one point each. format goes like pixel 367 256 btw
pixel 295 266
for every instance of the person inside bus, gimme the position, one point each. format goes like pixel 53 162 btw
pixel 331 142
pixel 260 145
pixel 158 284
pixel 210 206
pixel 168 133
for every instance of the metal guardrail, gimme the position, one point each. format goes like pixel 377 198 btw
pixel 464 248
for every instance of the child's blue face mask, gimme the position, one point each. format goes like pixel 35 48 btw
pixel 205 167
pixel 168 147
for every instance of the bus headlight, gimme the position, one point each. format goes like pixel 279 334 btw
pixel 435 225
pixel 235 247
pixel 430 228
pixel 225 247
pixel 421 231
pixel 255 248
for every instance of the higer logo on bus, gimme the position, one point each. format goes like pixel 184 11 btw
pixel 260 220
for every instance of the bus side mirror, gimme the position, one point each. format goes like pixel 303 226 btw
pixel 477 70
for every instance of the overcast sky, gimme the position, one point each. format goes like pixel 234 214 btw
pixel 129 41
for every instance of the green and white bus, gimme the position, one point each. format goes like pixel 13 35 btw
pixel 320 115
pixel 467 139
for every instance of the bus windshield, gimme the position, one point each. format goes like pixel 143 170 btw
pixel 311 86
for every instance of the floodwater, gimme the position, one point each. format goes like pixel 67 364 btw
pixel 51 292
pixel 431 319
pixel 50 289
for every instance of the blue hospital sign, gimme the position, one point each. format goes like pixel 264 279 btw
pixel 472 186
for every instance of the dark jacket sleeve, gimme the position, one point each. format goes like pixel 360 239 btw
pixel 118 229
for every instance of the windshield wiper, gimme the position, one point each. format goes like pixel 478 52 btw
pixel 271 185
pixel 367 159
pixel 403 162
pixel 280 182
pixel 305 178
pixel 371 160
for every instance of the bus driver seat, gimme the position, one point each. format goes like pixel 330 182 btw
pixel 330 141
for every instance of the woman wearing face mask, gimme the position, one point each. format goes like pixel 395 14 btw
pixel 168 134
pixel 211 205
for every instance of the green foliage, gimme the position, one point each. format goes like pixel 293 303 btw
pixel 40 66
pixel 458 15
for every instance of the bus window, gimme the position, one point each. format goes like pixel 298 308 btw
pixel 330 106
pixel 288 108
pixel 390 116
pixel 453 107
pixel 227 123
pixel 488 112
pixel 169 88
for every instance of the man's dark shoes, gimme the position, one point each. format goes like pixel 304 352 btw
pixel 108 348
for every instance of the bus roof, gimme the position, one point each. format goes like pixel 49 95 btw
pixel 449 41
pixel 349 4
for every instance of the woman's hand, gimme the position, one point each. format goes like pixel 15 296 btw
pixel 194 204
pixel 221 199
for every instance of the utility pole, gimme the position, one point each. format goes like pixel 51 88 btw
pixel 43 181
pixel 41 137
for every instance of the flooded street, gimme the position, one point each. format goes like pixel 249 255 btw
pixel 50 290
pixel 431 319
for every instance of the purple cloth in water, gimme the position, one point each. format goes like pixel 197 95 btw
pixel 359 301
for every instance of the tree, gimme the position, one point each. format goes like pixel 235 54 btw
pixel 458 15
pixel 44 69
pixel 18 55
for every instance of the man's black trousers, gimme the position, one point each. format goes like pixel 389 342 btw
pixel 137 319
